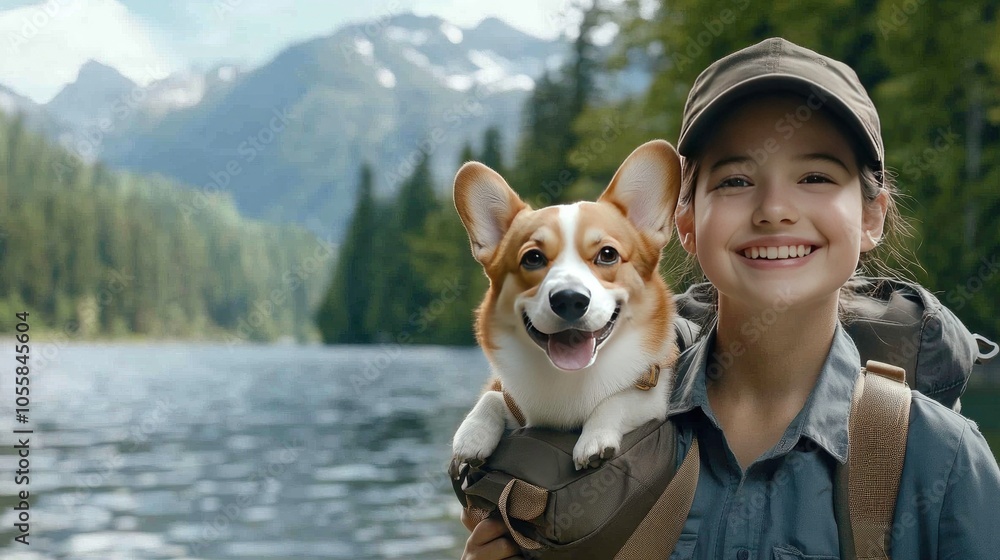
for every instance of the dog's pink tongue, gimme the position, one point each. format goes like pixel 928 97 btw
pixel 571 350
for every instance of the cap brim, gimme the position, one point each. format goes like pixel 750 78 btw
pixel 816 97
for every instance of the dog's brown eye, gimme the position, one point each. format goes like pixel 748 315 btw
pixel 533 259
pixel 608 255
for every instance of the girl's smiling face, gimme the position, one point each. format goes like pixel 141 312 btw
pixel 777 217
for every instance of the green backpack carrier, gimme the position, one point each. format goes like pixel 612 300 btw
pixel 633 506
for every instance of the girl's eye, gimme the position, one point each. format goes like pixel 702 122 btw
pixel 734 182
pixel 816 178
pixel 607 256
pixel 533 260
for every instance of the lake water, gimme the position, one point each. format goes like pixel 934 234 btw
pixel 204 452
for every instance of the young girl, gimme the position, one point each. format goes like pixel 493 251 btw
pixel 784 191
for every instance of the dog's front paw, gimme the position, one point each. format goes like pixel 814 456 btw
pixel 595 446
pixel 474 441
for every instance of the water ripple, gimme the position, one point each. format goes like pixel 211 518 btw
pixel 196 452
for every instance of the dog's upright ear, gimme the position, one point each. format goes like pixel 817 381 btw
pixel 645 188
pixel 487 206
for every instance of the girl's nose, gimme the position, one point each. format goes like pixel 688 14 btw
pixel 774 205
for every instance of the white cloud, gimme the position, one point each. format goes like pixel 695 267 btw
pixel 44 45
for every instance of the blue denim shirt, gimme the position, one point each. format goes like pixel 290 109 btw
pixel 781 508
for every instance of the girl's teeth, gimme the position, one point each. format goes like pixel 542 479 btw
pixel 786 252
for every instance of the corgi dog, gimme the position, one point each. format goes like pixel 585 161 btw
pixel 577 323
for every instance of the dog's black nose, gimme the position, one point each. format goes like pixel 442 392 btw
pixel 569 304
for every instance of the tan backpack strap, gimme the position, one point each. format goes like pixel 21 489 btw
pixel 514 409
pixel 524 501
pixel 475 513
pixel 658 533
pixel 880 415
pixel 495 385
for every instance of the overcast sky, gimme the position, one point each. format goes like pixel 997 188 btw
pixel 44 43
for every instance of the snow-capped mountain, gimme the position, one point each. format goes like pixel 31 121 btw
pixel 102 109
pixel 189 88
pixel 492 53
pixel 287 138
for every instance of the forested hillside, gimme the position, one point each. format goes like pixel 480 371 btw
pixel 93 253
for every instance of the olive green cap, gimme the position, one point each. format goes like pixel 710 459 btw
pixel 776 64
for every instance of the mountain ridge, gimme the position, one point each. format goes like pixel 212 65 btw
pixel 387 92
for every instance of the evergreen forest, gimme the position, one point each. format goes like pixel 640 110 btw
pixel 406 273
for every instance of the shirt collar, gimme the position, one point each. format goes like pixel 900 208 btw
pixel 823 418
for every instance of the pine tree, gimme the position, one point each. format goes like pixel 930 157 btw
pixel 467 154
pixel 341 317
pixel 398 298
pixel 540 174
pixel 492 154
pixel 545 172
